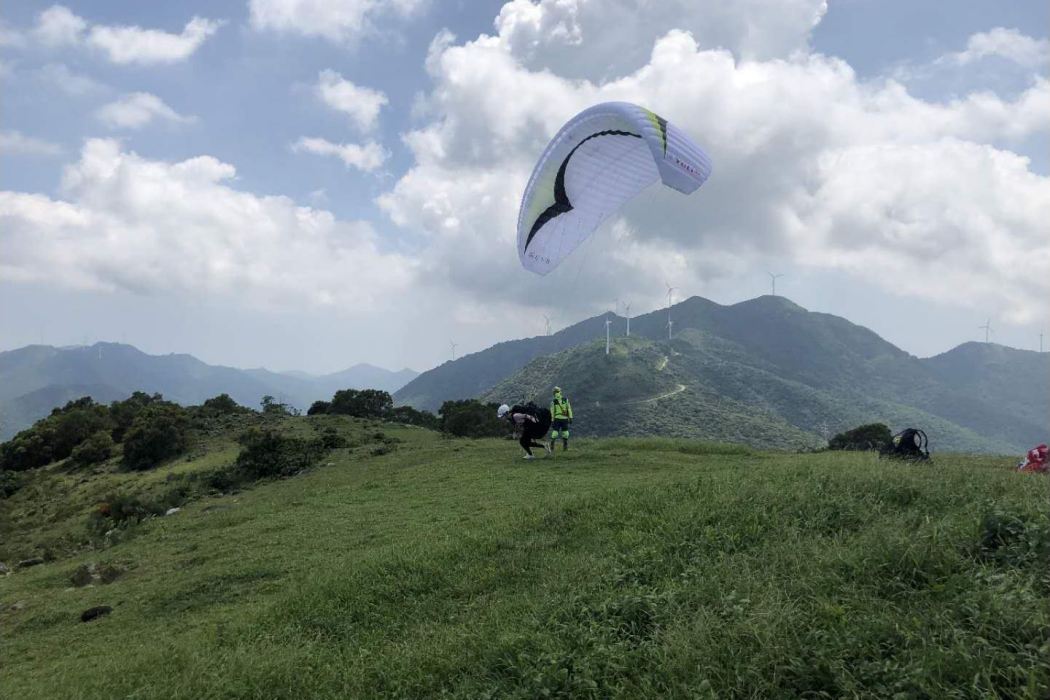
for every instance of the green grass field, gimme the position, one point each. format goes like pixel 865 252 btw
pixel 623 568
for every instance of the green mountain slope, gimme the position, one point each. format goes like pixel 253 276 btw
pixel 623 568
pixel 768 358
pixel 700 386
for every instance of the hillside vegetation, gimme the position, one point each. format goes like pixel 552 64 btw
pixel 406 564
pixel 769 373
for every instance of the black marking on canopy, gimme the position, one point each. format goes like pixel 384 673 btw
pixel 561 199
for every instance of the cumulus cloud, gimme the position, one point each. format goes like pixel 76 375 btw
pixel 59 26
pixel 366 157
pixel 335 20
pixel 607 38
pixel 152 227
pixel 17 142
pixel 136 110
pixel 361 104
pixel 1009 44
pixel 798 142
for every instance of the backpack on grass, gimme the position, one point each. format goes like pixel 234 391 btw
pixel 910 443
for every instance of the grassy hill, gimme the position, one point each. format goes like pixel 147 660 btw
pixel 702 386
pixel 624 568
pixel 767 371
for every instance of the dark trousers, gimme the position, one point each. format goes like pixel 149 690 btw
pixel 528 437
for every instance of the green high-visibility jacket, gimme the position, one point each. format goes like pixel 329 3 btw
pixel 560 408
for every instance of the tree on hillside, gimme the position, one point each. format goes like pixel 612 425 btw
pixel 124 412
pixel 361 403
pixel 159 433
pixel 318 408
pixel 54 438
pixel 471 418
pixel 873 436
pixel 97 448
pixel 223 403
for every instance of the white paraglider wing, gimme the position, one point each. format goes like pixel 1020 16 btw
pixel 601 158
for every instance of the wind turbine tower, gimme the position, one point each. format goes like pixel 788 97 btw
pixel 773 282
pixel 627 313
pixel 608 323
pixel 452 344
pixel 547 320
pixel 987 327
pixel 670 295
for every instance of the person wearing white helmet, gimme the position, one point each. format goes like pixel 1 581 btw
pixel 527 427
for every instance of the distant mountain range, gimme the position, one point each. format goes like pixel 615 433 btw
pixel 36 378
pixel 764 372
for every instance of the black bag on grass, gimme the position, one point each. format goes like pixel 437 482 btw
pixel 910 443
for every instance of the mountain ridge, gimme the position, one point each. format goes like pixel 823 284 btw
pixel 772 354
pixel 35 378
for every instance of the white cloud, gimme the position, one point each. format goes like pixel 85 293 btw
pixel 606 38
pixel 58 26
pixel 367 157
pixel 1010 44
pixel 17 142
pixel 361 104
pixel 68 81
pixel 154 227
pixel 136 110
pixel 335 20
pixel 781 133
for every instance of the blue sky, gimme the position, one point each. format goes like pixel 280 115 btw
pixel 311 183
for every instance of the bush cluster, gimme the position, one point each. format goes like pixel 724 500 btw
pixel 874 436
pixel 372 403
pixel 471 418
pixel 149 429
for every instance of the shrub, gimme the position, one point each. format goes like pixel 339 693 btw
pixel 97 448
pixel 10 482
pixel 125 412
pixel 267 453
pixel 160 432
pixel 54 437
pixel 874 436
pixel 471 418
pixel 318 408
pixel 223 404
pixel 363 403
pixel 410 416
pixel 272 407
pixel 331 439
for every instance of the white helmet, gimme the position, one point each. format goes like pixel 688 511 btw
pixel 502 410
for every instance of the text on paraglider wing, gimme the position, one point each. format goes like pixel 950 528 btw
pixel 682 165
pixel 539 258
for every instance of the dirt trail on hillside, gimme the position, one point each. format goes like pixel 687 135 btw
pixel 653 399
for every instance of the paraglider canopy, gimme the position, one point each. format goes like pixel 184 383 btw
pixel 601 158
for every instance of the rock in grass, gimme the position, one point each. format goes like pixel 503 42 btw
pixel 4 571
pixel 84 574
pixel 32 561
pixel 172 511
pixel 95 613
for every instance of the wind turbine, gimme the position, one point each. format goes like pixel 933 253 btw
pixel 453 345
pixel 773 281
pixel 547 320
pixel 670 294
pixel 627 313
pixel 987 327
pixel 608 323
